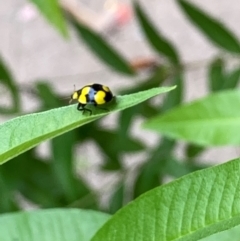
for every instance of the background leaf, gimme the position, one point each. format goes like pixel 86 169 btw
pixel 216 75
pixel 213 120
pixel 175 98
pixel 53 13
pixel 161 44
pixel 212 28
pixel 152 171
pixel 193 150
pixel 188 209
pixel 49 225
pixel 117 199
pixel 232 79
pixel 102 49
pixel 220 79
pixel 232 234
pixel 7 80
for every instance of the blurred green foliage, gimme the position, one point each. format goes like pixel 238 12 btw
pixel 53 182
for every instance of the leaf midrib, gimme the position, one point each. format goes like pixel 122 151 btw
pixel 217 121
pixel 218 222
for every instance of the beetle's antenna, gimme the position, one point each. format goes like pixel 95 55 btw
pixel 64 98
pixel 74 89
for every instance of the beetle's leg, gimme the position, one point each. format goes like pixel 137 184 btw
pixel 82 108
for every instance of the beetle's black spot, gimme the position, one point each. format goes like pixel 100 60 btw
pixel 97 87
pixel 108 96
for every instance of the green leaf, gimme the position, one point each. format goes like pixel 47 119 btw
pixel 53 13
pixel 232 79
pixel 99 135
pixel 49 225
pixel 177 168
pixel 22 133
pixel 232 234
pixel 37 184
pixel 216 75
pixel 219 79
pixel 158 42
pixel 103 50
pixel 192 150
pixel 7 199
pixel 174 98
pixel 117 199
pixel 214 30
pixel 63 165
pixel 158 77
pixel 47 95
pixel 7 79
pixel 152 170
pixel 188 209
pixel 148 177
pixel 213 120
pixel 40 187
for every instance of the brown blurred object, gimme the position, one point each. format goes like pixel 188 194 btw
pixel 115 14
pixel 144 63
pixel 81 13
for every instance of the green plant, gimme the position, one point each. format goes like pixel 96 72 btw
pixel 196 206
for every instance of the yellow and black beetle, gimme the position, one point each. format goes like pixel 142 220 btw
pixel 93 94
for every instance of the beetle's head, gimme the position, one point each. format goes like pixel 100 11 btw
pixel 74 96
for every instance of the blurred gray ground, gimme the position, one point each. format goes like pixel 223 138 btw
pixel 34 50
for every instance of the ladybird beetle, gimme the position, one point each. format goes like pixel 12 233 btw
pixel 93 94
